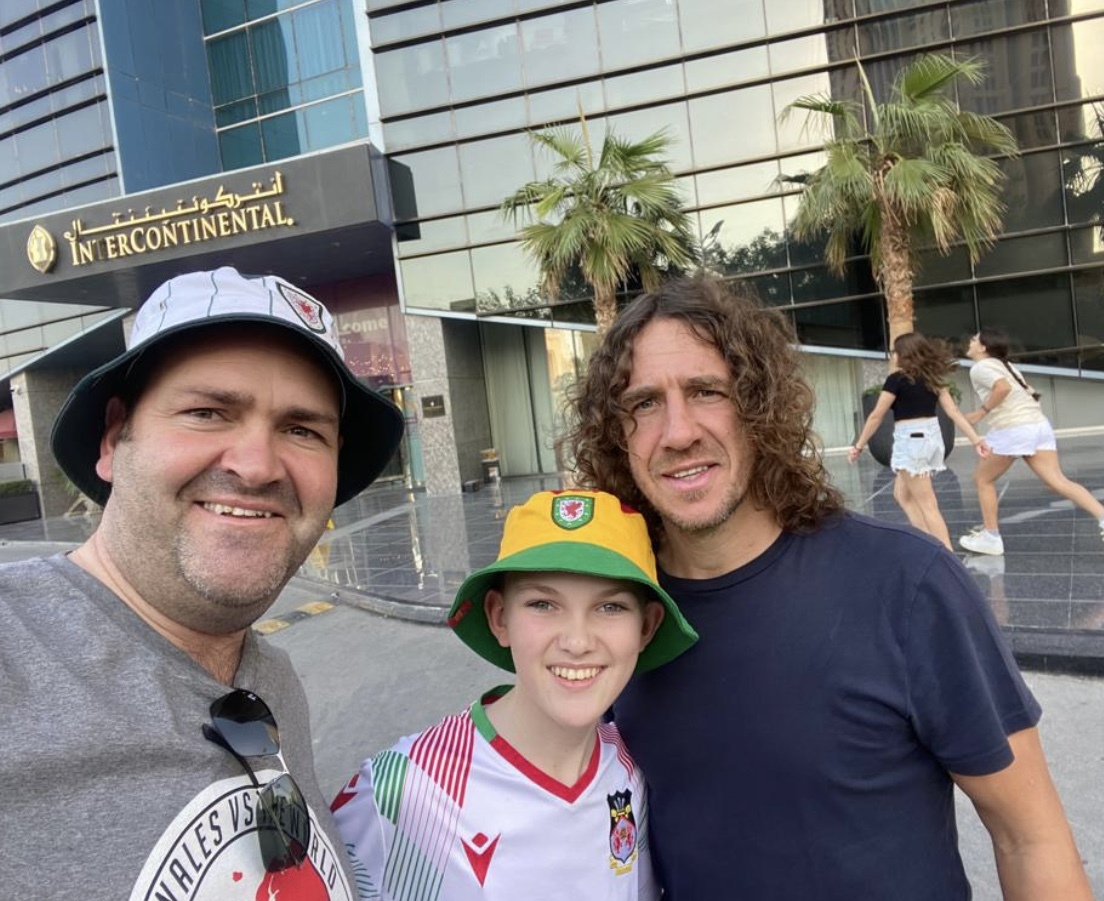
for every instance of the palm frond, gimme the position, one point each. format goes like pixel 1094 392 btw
pixel 909 186
pixel 910 127
pixel 620 154
pixel 918 172
pixel 650 193
pixel 933 73
pixel 525 198
pixel 850 167
pixel 563 145
pixel 837 248
pixel 971 173
pixel 606 215
pixel 986 133
pixel 825 117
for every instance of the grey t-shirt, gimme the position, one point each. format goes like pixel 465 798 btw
pixel 108 788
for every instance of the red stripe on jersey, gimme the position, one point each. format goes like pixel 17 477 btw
pixel 609 733
pixel 569 793
pixel 444 753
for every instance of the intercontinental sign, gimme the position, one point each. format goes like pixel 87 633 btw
pixel 191 222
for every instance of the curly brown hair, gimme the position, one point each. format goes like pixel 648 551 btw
pixel 771 397
pixel 927 361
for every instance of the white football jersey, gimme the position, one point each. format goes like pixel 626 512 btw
pixel 456 813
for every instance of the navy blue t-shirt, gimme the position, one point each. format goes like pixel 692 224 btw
pixel 800 750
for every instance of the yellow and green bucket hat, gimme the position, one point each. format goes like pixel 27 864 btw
pixel 586 532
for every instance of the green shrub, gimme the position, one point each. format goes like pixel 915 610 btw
pixel 16 486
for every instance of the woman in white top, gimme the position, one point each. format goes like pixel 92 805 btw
pixel 1017 427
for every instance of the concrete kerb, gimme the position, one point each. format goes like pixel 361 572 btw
pixel 1073 653
pixel 427 614
pixel 12 550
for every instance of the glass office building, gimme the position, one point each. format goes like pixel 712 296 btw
pixel 61 146
pixel 285 77
pixel 462 81
pixel 139 140
pixel 396 128
pixel 55 123
pixel 67 138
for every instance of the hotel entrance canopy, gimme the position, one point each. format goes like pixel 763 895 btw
pixel 312 220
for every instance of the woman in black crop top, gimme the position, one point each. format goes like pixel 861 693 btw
pixel 917 384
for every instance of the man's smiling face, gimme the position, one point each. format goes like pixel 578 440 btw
pixel 223 475
pixel 687 449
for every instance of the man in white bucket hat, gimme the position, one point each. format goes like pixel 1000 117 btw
pixel 153 746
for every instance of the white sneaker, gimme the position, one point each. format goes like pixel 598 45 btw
pixel 981 542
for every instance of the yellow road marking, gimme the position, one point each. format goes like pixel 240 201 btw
pixel 268 626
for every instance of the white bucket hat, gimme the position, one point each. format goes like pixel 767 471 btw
pixel 371 426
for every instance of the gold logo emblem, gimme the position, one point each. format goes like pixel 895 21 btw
pixel 41 249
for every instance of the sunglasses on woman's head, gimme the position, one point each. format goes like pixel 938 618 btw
pixel 242 724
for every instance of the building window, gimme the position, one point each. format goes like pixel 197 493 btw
pixel 284 82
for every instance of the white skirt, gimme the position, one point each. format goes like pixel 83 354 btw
pixel 1022 440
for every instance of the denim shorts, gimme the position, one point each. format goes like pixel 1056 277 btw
pixel 918 447
pixel 1022 440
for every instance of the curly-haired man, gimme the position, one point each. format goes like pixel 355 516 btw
pixel 849 673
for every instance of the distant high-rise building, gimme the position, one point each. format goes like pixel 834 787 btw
pixel 362 147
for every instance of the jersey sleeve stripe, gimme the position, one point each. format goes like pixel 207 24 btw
pixel 389 771
pixel 444 753
pixel 429 810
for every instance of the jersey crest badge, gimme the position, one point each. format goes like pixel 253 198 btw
pixel 622 831
pixel 570 511
pixel 306 307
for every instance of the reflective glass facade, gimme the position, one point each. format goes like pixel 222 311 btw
pixel 93 103
pixel 159 91
pixel 56 143
pixel 57 147
pixel 285 76
pixel 461 81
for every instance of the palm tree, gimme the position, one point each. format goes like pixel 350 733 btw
pixel 616 217
pixel 915 176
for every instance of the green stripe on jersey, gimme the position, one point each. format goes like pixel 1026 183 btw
pixel 388 777
pixel 409 875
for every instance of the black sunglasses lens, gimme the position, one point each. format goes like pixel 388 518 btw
pixel 246 723
pixel 284 825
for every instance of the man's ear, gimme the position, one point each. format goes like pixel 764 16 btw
pixel 494 605
pixel 654 612
pixel 114 420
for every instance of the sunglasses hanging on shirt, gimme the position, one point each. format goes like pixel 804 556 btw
pixel 242 724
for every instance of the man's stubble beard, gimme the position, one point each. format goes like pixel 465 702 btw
pixel 731 501
pixel 229 605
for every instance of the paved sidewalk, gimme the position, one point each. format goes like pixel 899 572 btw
pixel 1047 590
pixel 404 554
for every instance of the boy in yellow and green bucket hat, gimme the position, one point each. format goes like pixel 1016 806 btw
pixel 527 793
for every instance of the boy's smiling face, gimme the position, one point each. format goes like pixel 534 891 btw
pixel 574 640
